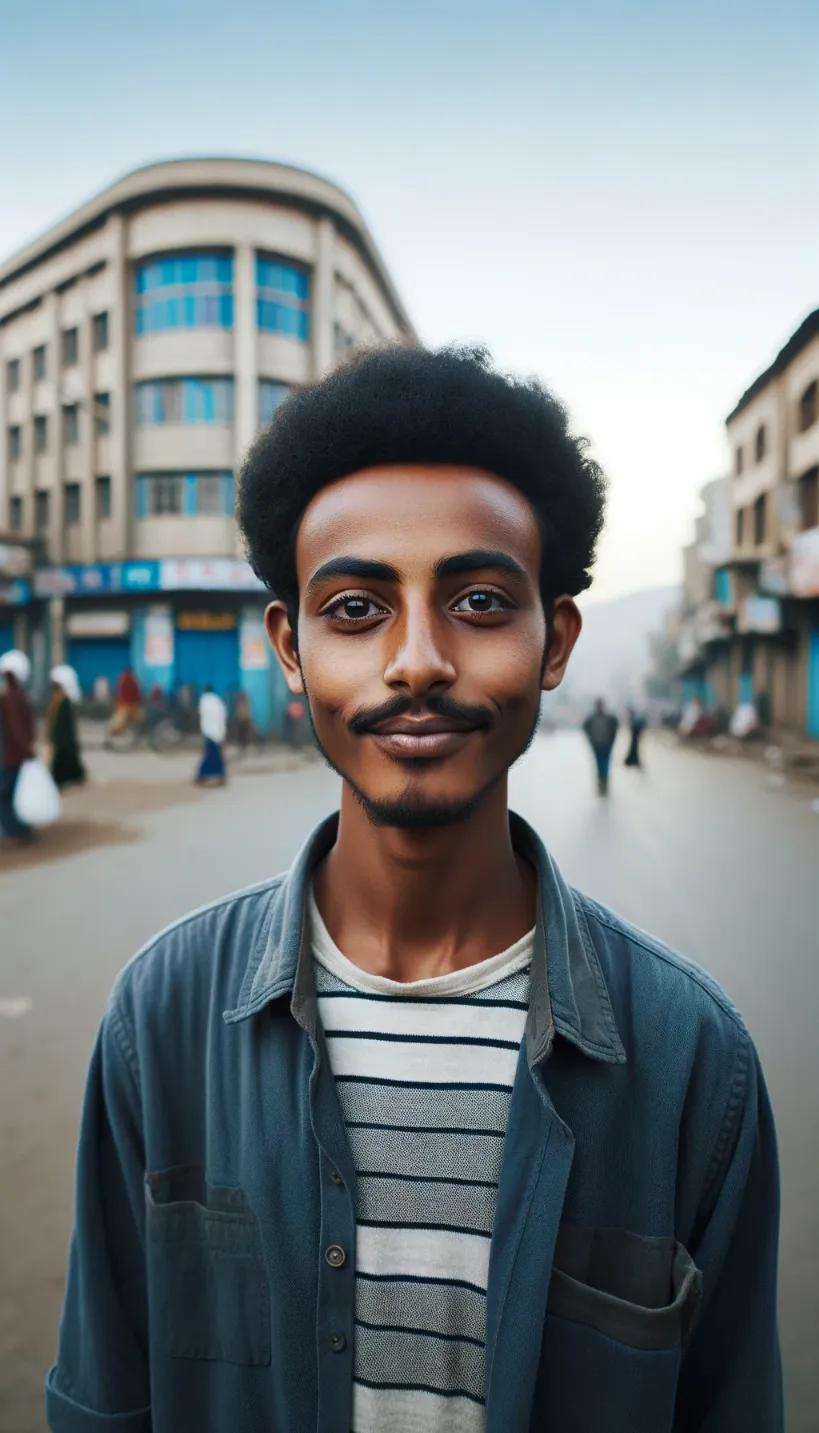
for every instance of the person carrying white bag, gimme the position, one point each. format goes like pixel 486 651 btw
pixel 28 796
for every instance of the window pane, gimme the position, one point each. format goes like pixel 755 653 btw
pixel 72 503
pixel 171 400
pixel 16 514
pixel 209 495
pixel 103 489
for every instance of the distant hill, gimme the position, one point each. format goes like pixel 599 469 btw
pixel 611 658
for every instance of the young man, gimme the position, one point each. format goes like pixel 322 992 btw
pixel 415 1136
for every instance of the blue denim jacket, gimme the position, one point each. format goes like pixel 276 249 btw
pixel 632 1278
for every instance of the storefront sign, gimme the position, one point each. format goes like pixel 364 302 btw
pixel 15 560
pixel 178 574
pixel 760 614
pixel 97 579
pixel 158 637
pixel 15 594
pixel 98 624
pixel 206 621
pixel 217 574
pixel 805 563
pixel 253 647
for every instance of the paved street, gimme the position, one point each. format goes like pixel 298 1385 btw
pixel 698 849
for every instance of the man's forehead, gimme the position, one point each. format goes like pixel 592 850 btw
pixel 413 505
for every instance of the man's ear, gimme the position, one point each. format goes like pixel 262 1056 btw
pixel 283 641
pixel 566 624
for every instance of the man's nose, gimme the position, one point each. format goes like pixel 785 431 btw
pixel 419 659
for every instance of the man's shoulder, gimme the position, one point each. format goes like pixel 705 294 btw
pixel 201 958
pixel 653 977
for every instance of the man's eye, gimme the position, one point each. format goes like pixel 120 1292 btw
pixel 481 601
pixel 354 609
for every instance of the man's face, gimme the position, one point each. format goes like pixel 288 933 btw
pixel 421 636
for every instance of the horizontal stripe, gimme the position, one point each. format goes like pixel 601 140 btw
pixel 465 1156
pixel 427 1333
pixel 406 1360
pixel 441 1203
pixel 420 1084
pixel 425 1252
pixel 361 1016
pixel 405 1038
pixel 347 994
pixel 383 1060
pixel 421 1129
pixel 429 1306
pixel 378 1410
pixel 428 1178
pixel 420 1388
pixel 413 1228
pixel 419 1279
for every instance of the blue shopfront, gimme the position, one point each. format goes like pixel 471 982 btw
pixel 178 623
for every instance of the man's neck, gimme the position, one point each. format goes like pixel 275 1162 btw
pixel 414 904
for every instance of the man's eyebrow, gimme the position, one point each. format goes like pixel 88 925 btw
pixel 479 559
pixel 363 567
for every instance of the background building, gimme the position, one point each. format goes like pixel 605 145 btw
pixel 750 625
pixel 144 340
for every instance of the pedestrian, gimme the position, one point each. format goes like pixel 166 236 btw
pixel 61 728
pixel 17 736
pixel 127 702
pixel 416 1135
pixel 601 729
pixel 213 725
pixel 245 728
pixel 636 726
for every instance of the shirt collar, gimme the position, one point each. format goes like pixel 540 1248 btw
pixel 568 991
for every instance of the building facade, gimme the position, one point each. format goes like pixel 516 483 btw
pixel 143 343
pixel 751 625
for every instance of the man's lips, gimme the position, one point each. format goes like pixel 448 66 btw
pixel 431 738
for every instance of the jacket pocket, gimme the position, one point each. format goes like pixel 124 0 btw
pixel 620 1311
pixel 208 1286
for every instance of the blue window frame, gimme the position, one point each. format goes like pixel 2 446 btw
pixel 271 397
pixel 184 400
pixel 187 291
pixel 282 299
pixel 184 495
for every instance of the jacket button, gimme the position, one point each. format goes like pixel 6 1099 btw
pixel 338 1342
pixel 335 1256
pixel 336 1177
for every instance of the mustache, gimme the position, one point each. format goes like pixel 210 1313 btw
pixel 365 720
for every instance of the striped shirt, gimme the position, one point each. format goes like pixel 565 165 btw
pixel 424 1072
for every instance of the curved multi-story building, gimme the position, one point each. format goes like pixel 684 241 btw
pixel 144 340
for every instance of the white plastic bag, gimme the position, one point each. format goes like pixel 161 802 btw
pixel 36 798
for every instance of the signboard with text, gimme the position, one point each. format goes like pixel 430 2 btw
pixel 176 574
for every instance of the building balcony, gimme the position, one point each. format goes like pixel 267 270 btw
pixel 183 447
pixel 180 351
pixel 803 452
pixel 172 536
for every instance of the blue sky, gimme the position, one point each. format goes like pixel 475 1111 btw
pixel 621 198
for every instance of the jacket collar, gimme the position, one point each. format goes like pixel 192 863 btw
pixel 568 992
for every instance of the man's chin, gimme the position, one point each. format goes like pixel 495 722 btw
pixel 414 810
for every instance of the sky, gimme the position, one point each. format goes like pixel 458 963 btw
pixel 621 198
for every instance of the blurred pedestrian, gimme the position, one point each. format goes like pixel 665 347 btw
pixel 601 729
pixel 61 728
pixel 295 723
pixel 636 725
pixel 17 735
pixel 245 728
pixel 127 702
pixel 213 725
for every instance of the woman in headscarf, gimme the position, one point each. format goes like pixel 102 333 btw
pixel 17 733
pixel 61 727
